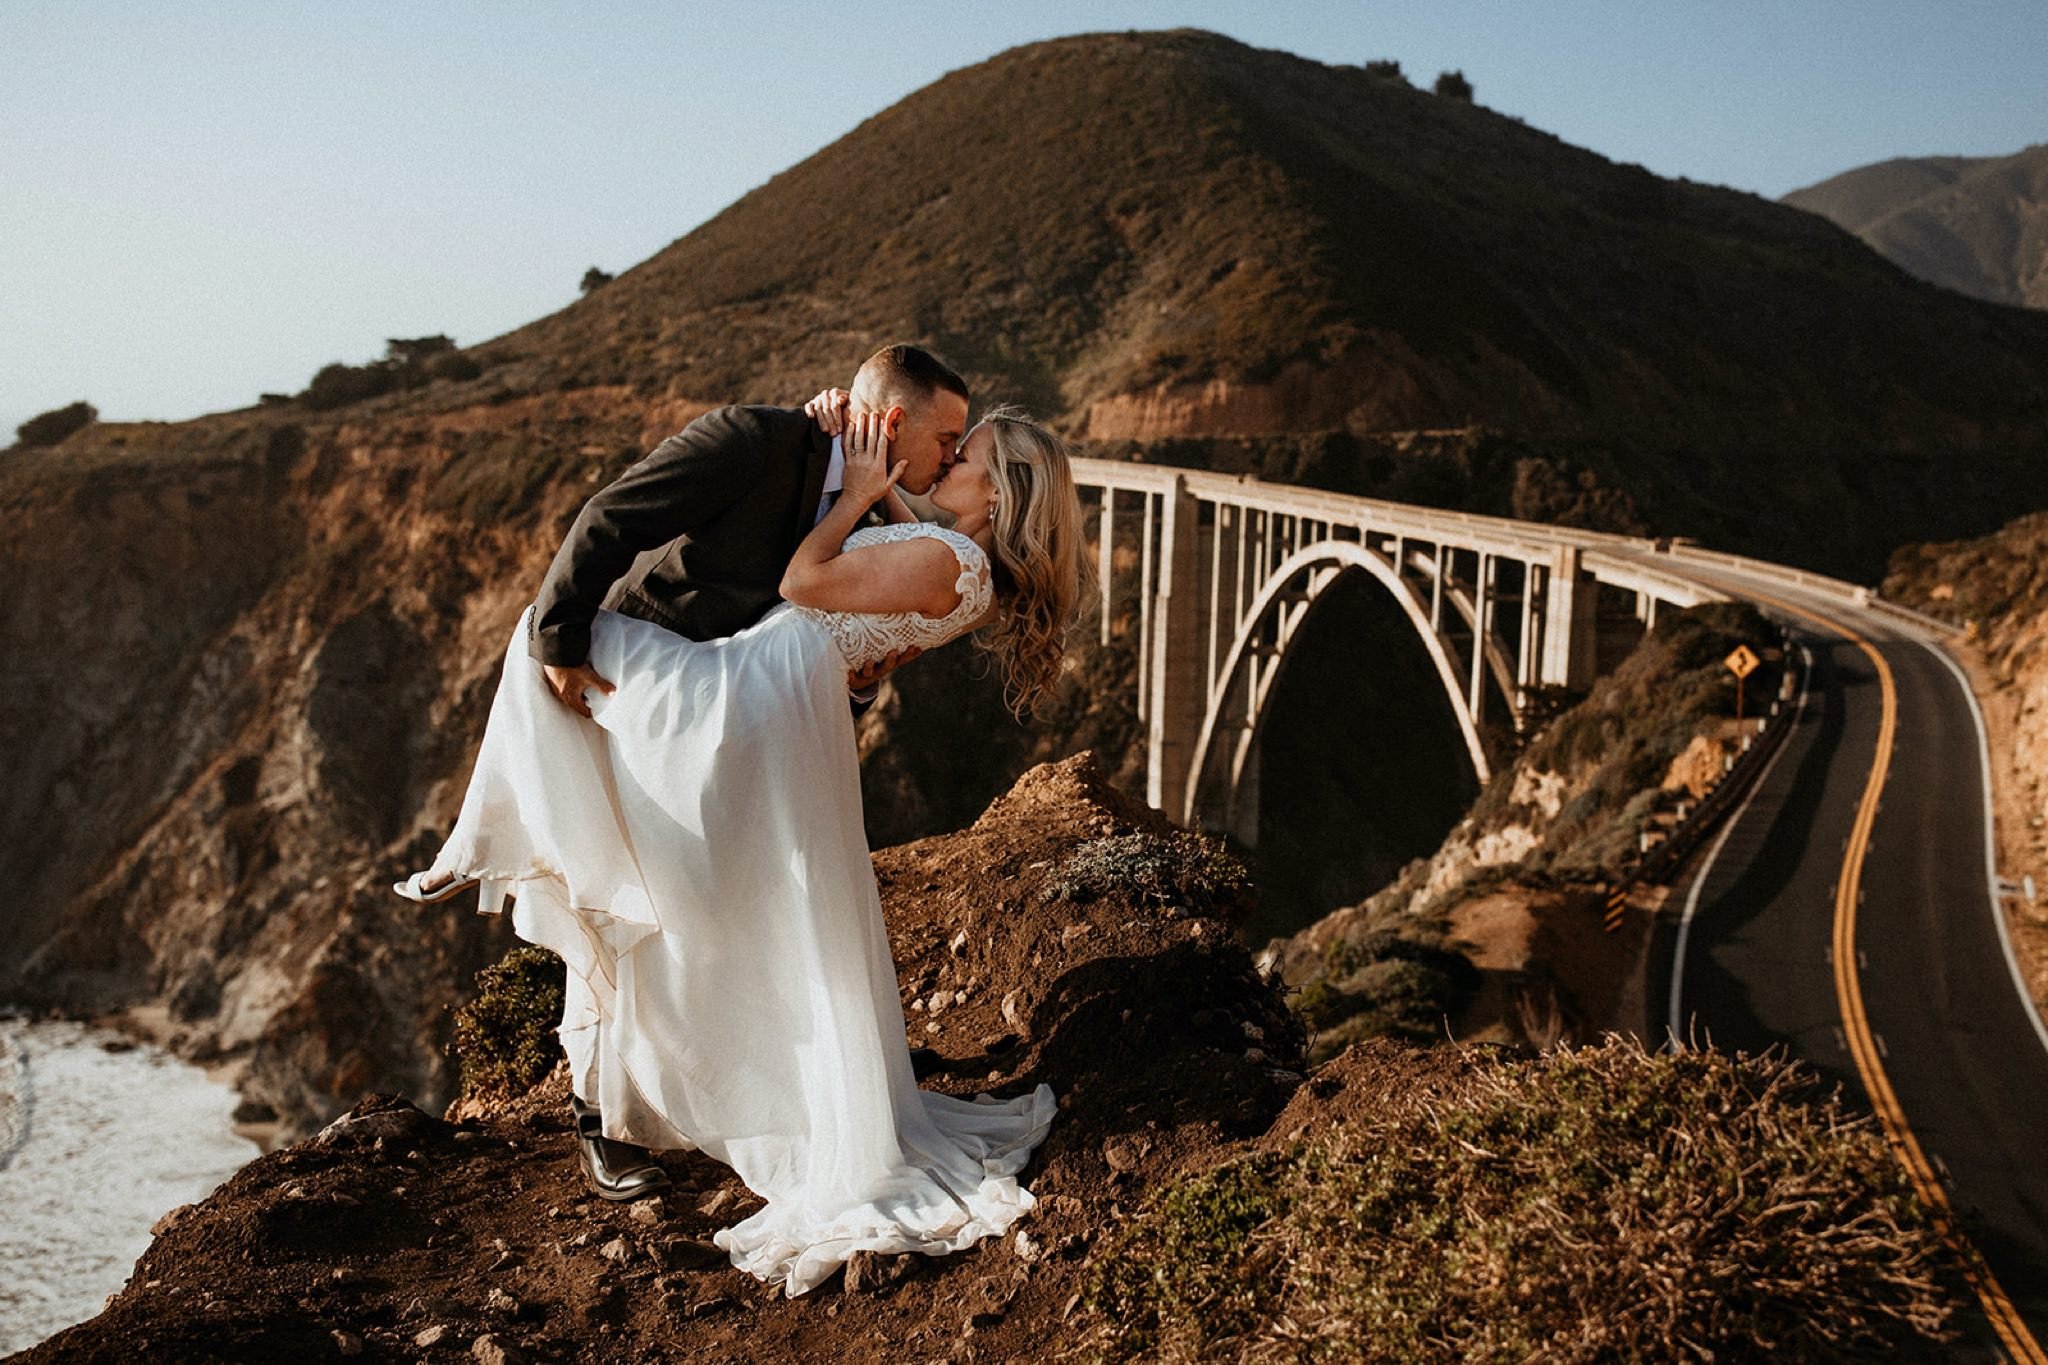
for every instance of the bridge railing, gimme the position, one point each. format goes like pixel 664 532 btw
pixel 1625 566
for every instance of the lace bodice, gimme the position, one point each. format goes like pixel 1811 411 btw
pixel 864 637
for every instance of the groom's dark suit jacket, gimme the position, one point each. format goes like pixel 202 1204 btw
pixel 695 537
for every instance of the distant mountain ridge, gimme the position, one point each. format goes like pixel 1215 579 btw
pixel 1977 225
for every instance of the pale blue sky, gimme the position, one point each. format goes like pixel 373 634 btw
pixel 202 200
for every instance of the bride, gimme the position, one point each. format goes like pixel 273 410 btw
pixel 697 859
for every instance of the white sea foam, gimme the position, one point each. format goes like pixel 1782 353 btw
pixel 95 1145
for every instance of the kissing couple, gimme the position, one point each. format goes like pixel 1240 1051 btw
pixel 669 789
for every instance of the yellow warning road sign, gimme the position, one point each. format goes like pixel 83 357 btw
pixel 1742 662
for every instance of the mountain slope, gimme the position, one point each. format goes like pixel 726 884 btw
pixel 1977 225
pixel 1172 233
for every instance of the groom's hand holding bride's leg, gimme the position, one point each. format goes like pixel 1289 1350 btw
pixel 569 684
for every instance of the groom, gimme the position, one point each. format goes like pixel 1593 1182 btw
pixel 695 537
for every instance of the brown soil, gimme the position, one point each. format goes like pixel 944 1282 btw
pixel 1550 970
pixel 402 1235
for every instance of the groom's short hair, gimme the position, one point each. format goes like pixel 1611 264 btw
pixel 901 372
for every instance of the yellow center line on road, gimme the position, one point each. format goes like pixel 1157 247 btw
pixel 1998 1306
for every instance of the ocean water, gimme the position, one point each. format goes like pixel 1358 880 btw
pixel 95 1145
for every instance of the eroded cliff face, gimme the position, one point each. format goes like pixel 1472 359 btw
pixel 247 665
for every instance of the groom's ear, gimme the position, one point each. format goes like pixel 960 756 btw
pixel 892 421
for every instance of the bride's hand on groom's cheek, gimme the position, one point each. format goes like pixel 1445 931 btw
pixel 870 473
pixel 829 410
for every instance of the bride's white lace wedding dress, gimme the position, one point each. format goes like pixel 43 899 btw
pixel 697 858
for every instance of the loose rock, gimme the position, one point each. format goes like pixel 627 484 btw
pixel 488 1350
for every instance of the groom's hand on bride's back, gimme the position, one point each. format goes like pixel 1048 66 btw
pixel 865 680
pixel 569 684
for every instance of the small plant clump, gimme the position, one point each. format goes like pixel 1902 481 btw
pixel 408 363
pixel 48 428
pixel 1595 1204
pixel 1386 984
pixel 505 1038
pixel 1186 872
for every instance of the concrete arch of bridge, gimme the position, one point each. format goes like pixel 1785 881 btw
pixel 1270 606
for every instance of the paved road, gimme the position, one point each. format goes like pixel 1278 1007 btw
pixel 1948 1031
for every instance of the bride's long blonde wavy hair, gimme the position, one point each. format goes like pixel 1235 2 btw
pixel 1042 574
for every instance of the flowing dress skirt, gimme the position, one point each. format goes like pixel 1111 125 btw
pixel 698 860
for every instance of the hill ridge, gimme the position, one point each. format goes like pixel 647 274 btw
pixel 1977 225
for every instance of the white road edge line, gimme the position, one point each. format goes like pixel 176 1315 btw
pixel 2012 961
pixel 1692 899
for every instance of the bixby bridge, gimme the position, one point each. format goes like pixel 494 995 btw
pixel 1228 568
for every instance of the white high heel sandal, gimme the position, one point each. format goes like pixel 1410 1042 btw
pixel 490 896
pixel 413 888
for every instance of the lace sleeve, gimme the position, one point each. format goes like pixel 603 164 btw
pixel 975 584
pixel 864 637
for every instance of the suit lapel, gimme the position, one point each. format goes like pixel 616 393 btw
pixel 817 457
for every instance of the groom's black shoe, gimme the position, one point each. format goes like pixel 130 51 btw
pixel 614 1170
pixel 924 1062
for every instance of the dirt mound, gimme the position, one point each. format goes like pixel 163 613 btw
pixel 1069 936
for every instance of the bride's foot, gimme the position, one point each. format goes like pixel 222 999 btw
pixel 418 888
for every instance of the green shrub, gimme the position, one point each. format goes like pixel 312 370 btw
pixel 594 279
pixel 1385 984
pixel 338 385
pixel 1453 85
pixel 408 363
pixel 48 428
pixel 505 1038
pixel 1600 1204
pixel 454 366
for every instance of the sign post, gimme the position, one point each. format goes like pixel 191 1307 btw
pixel 1741 663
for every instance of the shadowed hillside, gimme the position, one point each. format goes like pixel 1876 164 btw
pixel 1977 225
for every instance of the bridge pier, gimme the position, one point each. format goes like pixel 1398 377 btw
pixel 1568 623
pixel 1528 645
pixel 1482 627
pixel 1177 695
